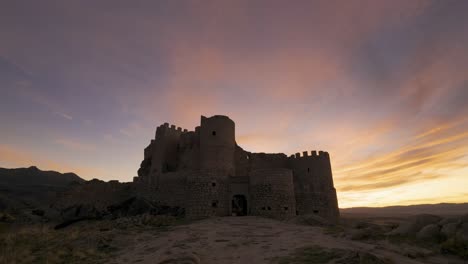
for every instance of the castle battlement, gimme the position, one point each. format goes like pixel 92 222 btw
pixel 313 154
pixel 205 172
pixel 166 129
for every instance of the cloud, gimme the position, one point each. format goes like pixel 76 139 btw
pixel 381 85
pixel 68 117
pixel 132 130
pixel 75 145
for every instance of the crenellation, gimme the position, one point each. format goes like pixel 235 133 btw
pixel 205 172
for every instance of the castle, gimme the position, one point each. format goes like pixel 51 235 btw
pixel 208 174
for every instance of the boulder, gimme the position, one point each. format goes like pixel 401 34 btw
pixel 430 232
pixel 131 207
pixel 38 212
pixel 449 229
pixel 6 217
pixel 370 232
pixel 448 220
pixel 78 213
pixel 415 224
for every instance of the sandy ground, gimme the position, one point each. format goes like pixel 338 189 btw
pixel 240 240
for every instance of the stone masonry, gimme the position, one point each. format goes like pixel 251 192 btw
pixel 208 174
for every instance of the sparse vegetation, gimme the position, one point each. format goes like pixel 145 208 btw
pixel 6 217
pixel 314 254
pixel 87 242
pixel 320 255
pixel 41 244
pixel 334 230
pixel 455 246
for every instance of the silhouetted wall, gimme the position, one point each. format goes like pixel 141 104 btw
pixel 202 170
pixel 272 193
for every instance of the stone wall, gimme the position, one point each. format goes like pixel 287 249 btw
pixel 171 190
pixel 272 193
pixel 268 160
pixel 98 193
pixel 313 183
pixel 207 195
pixel 189 151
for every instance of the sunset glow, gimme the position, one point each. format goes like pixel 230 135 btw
pixel 381 85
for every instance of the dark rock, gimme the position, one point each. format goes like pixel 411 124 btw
pixel 415 224
pixel 449 229
pixel 38 212
pixel 429 233
pixel 137 206
pixel 78 213
pixel 370 232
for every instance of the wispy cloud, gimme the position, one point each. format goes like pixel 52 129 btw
pixel 131 130
pixel 75 145
pixel 381 85
pixel 69 117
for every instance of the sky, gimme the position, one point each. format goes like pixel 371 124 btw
pixel 381 85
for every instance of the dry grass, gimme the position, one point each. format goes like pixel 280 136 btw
pixel 84 242
pixel 320 255
pixel 42 244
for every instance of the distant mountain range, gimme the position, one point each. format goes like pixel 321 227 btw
pixel 34 176
pixel 436 209
pixel 29 188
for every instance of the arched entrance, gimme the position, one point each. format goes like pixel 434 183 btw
pixel 239 205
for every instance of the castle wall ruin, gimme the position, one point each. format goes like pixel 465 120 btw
pixel 208 174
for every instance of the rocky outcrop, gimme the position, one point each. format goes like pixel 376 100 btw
pixel 131 207
pixel 415 224
pixel 449 229
pixel 430 232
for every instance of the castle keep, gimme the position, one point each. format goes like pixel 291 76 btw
pixel 208 174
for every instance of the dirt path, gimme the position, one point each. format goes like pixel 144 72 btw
pixel 237 240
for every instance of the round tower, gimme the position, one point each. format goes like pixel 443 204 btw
pixel 217 145
pixel 208 189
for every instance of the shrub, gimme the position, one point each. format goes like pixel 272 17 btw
pixel 455 246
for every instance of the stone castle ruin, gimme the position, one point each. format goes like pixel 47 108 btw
pixel 208 174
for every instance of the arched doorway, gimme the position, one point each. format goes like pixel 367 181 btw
pixel 239 205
